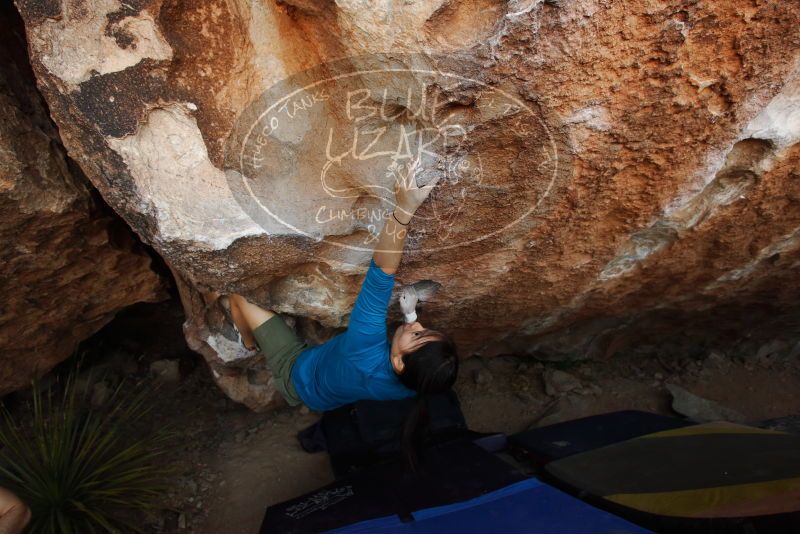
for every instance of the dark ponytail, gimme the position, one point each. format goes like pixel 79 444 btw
pixel 430 369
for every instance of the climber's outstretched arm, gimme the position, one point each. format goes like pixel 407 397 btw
pixel 408 197
pixel 389 249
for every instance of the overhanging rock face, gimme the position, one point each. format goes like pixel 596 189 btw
pixel 607 169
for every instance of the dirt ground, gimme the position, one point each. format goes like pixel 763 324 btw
pixel 233 463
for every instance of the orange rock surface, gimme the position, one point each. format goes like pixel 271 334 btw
pixel 620 172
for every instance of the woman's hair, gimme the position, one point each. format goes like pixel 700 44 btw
pixel 430 369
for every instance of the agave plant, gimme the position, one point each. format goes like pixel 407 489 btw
pixel 80 469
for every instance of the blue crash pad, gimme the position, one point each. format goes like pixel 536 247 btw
pixel 526 506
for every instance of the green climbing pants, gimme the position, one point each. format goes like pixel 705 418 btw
pixel 280 347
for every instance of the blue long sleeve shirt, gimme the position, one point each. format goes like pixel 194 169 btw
pixel 355 364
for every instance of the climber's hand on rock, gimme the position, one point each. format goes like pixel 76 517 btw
pixel 408 303
pixel 408 195
pixel 408 299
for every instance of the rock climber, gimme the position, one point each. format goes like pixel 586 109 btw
pixel 14 515
pixel 361 363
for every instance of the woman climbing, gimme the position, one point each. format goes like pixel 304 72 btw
pixel 361 363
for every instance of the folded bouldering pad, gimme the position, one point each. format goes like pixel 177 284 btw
pixel 709 471
pixel 543 445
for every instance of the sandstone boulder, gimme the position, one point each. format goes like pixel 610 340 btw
pixel 68 264
pixel 611 173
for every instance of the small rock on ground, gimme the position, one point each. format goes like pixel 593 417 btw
pixel 482 377
pixel 699 409
pixel 559 382
pixel 166 371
